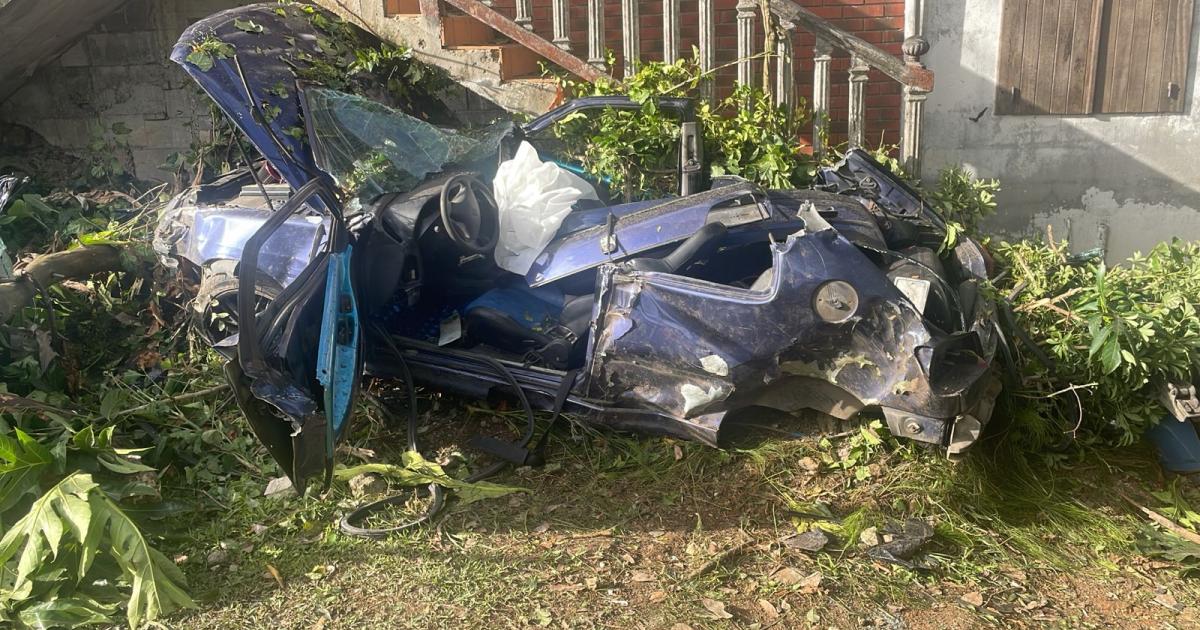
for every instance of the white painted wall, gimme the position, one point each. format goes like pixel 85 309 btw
pixel 1124 182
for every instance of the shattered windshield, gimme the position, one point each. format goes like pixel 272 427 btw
pixel 371 149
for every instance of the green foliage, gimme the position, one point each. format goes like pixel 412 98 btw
pixel 47 570
pixel 347 63
pixel 22 461
pixel 856 452
pixel 84 425
pixel 962 198
pixel 212 151
pixel 1116 335
pixel 415 470
pixel 1177 507
pixel 37 222
pixel 963 201
pixel 106 156
pixel 758 141
pixel 209 49
pixel 745 134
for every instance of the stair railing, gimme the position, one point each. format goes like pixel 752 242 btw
pixel 521 33
pixel 779 72
pixel 916 80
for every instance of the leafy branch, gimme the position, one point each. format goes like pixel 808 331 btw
pixel 77 511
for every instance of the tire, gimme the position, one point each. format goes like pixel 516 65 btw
pixel 215 307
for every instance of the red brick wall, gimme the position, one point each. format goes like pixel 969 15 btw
pixel 880 22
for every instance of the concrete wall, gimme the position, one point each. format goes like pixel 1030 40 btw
pixel 1123 182
pixel 33 32
pixel 118 72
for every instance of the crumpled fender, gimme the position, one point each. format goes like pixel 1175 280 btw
pixel 690 349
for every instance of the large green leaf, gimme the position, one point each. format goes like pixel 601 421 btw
pixel 39 533
pixel 157 584
pixel 65 612
pixel 417 471
pixel 78 508
pixel 21 463
pixel 100 445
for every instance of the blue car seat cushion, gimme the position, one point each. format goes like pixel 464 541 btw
pixel 536 310
pixel 542 324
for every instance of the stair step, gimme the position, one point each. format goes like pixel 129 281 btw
pixel 516 61
pixel 394 8
pixel 464 30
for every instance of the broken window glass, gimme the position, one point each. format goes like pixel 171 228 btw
pixel 371 149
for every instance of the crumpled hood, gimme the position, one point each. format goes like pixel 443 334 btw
pixel 270 42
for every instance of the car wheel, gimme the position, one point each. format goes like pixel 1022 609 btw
pixel 216 304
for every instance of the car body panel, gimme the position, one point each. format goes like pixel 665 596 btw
pixel 259 65
pixel 691 349
pixel 828 320
pixel 646 228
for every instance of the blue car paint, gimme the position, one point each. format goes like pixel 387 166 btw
pixel 337 354
pixel 637 231
pixel 269 119
pixel 658 318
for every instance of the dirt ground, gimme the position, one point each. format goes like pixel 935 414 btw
pixel 633 532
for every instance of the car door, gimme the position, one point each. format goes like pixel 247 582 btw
pixel 297 369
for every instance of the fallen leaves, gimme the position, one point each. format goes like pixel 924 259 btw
pixel 642 576
pixel 811 541
pixel 279 487
pixel 274 573
pixel 811 582
pixel 787 576
pixel 715 608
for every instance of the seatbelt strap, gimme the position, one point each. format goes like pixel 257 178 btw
pixel 521 454
pixel 537 455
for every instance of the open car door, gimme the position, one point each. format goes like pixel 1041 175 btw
pixel 297 369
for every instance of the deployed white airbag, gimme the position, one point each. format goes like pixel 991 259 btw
pixel 533 198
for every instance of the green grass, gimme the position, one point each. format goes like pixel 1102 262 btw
pixel 621 531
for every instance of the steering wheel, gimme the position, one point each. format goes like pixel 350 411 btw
pixel 469 213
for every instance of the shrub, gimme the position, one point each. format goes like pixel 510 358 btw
pixel 1115 335
pixel 745 134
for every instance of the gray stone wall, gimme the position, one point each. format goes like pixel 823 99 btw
pixel 118 76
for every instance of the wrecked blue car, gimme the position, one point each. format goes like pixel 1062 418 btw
pixel 367 245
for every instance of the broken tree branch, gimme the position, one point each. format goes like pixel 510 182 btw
pixel 1166 523
pixel 48 269
pixel 1172 526
pixel 174 400
pixel 718 559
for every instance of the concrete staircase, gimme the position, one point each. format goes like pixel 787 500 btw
pixel 496 55
pixel 497 69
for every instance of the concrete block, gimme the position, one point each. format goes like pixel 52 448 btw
pixel 155 134
pixel 184 104
pixel 72 133
pixel 33 101
pixel 130 90
pixel 146 163
pixel 137 15
pixel 63 93
pixel 124 49
pixel 75 56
